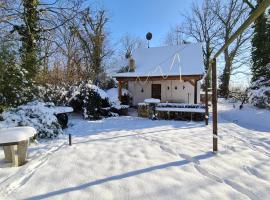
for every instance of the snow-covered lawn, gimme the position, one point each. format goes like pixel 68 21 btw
pixel 134 158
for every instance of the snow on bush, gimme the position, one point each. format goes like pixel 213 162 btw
pixel 52 93
pixel 259 93
pixel 89 99
pixel 113 97
pixel 35 114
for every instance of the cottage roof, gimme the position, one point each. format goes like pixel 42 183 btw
pixel 185 59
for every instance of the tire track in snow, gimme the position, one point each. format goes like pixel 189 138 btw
pixel 232 184
pixel 21 177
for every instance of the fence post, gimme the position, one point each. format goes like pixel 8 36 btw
pixel 214 105
pixel 206 101
pixel 69 139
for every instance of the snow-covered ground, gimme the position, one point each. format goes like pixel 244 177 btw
pixel 134 158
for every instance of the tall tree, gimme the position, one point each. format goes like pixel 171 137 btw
pixel 260 44
pixel 29 34
pixel 31 20
pixel 230 15
pixel 92 36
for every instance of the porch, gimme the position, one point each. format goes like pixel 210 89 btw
pixel 171 89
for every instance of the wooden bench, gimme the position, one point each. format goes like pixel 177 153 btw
pixel 15 143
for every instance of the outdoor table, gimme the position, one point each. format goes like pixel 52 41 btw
pixel 15 143
pixel 61 114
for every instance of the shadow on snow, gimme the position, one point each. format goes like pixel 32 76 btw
pixel 121 176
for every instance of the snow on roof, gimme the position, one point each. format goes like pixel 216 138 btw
pixel 163 61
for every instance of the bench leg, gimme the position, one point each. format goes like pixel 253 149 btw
pixel 8 155
pixel 15 156
pixel 22 151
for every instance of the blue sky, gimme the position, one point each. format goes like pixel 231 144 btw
pixel 137 17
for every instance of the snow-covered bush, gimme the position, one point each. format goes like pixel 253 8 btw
pixel 52 93
pixel 116 105
pixel 95 103
pixel 259 92
pixel 35 114
pixel 89 99
pixel 113 96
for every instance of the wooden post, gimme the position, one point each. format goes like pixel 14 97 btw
pixel 206 101
pixel 127 85
pixel 214 104
pixel 69 139
pixel 119 90
pixel 195 92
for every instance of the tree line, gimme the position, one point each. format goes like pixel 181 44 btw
pixel 212 23
pixel 63 42
pixel 54 42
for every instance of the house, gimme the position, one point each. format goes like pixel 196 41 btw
pixel 171 74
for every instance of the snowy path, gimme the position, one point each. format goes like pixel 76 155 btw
pixel 133 158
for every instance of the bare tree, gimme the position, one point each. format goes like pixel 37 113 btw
pixel 92 36
pixel 201 25
pixel 175 36
pixel 129 43
pixel 230 15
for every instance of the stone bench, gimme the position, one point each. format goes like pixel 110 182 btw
pixel 15 143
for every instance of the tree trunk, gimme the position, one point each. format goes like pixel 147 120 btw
pixel 226 75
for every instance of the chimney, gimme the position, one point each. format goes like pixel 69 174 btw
pixel 131 65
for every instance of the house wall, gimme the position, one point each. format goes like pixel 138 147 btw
pixel 169 93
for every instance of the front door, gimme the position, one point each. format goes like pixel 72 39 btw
pixel 156 91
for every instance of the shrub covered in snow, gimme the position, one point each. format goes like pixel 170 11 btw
pixel 52 93
pixel 116 106
pixel 35 114
pixel 259 93
pixel 113 97
pixel 89 99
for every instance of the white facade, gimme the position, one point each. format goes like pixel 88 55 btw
pixel 174 91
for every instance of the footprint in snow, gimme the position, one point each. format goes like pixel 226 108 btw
pixel 201 170
pixel 14 183
pixel 207 174
pixel 242 190
pixel 230 148
pixel 189 158
pixel 230 183
pixel 252 171
pixel 168 150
